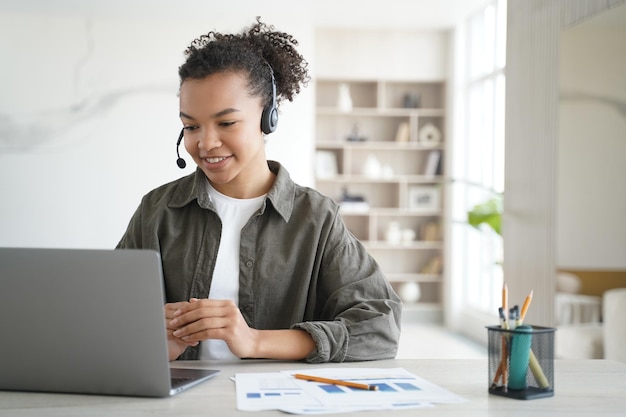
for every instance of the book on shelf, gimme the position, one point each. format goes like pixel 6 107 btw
pixel 354 207
pixel 351 203
pixel 433 267
pixel 402 134
pixel 432 163
pixel 429 231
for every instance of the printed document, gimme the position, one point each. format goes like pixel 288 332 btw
pixel 396 389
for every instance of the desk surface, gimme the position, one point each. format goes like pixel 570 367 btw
pixel 582 387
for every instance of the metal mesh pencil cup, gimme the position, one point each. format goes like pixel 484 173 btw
pixel 521 362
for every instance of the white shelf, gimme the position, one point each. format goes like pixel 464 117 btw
pixel 414 277
pixel 392 212
pixel 406 179
pixel 383 112
pixel 377 117
pixel 377 145
pixel 416 244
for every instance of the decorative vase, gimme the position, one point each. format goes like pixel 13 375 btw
pixel 344 100
pixel 408 236
pixel 409 292
pixel 393 234
pixel 372 168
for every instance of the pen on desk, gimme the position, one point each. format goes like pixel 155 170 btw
pixel 336 382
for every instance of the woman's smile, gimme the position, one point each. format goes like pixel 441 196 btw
pixel 216 162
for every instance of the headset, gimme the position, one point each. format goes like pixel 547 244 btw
pixel 269 117
pixel 269 120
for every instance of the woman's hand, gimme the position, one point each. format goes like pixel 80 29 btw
pixel 175 345
pixel 205 319
pixel 189 323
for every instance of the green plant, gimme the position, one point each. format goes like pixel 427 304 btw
pixel 489 212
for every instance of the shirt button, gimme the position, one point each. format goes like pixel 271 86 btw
pixel 249 264
pixel 247 309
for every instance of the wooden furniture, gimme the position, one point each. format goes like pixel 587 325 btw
pixel 380 149
pixel 582 387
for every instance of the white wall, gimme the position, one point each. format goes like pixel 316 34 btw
pixel 591 225
pixel 399 54
pixel 89 120
pixel 88 106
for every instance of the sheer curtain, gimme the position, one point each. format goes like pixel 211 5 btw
pixel 477 170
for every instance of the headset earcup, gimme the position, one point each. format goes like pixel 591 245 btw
pixel 269 119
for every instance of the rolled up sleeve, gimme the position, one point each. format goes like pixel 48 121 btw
pixel 363 309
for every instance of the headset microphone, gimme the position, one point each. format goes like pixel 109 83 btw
pixel 180 161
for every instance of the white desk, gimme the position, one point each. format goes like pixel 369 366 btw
pixel 582 388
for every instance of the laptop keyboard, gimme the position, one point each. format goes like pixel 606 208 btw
pixel 180 381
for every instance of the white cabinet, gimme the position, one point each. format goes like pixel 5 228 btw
pixel 381 155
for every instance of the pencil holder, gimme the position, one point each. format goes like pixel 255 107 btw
pixel 521 361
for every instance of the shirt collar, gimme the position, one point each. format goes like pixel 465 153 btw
pixel 281 195
pixel 283 192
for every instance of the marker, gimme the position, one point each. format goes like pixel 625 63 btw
pixel 512 315
pixel 503 322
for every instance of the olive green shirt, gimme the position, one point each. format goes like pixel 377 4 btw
pixel 300 267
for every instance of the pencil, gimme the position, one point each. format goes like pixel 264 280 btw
pixel 525 306
pixel 504 365
pixel 336 382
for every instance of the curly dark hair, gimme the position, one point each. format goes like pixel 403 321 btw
pixel 257 51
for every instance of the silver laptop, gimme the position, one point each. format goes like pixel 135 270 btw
pixel 86 321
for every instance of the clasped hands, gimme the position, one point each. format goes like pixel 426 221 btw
pixel 190 322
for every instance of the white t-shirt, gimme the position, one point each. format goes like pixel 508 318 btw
pixel 234 214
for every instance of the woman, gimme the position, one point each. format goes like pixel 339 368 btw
pixel 256 266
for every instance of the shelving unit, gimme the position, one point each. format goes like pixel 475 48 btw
pixel 375 150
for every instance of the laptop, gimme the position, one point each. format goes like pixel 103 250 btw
pixel 86 321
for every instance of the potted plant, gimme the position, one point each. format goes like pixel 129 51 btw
pixel 489 212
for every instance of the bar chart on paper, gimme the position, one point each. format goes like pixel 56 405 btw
pixel 393 388
pixel 268 390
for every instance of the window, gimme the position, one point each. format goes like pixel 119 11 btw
pixel 477 165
